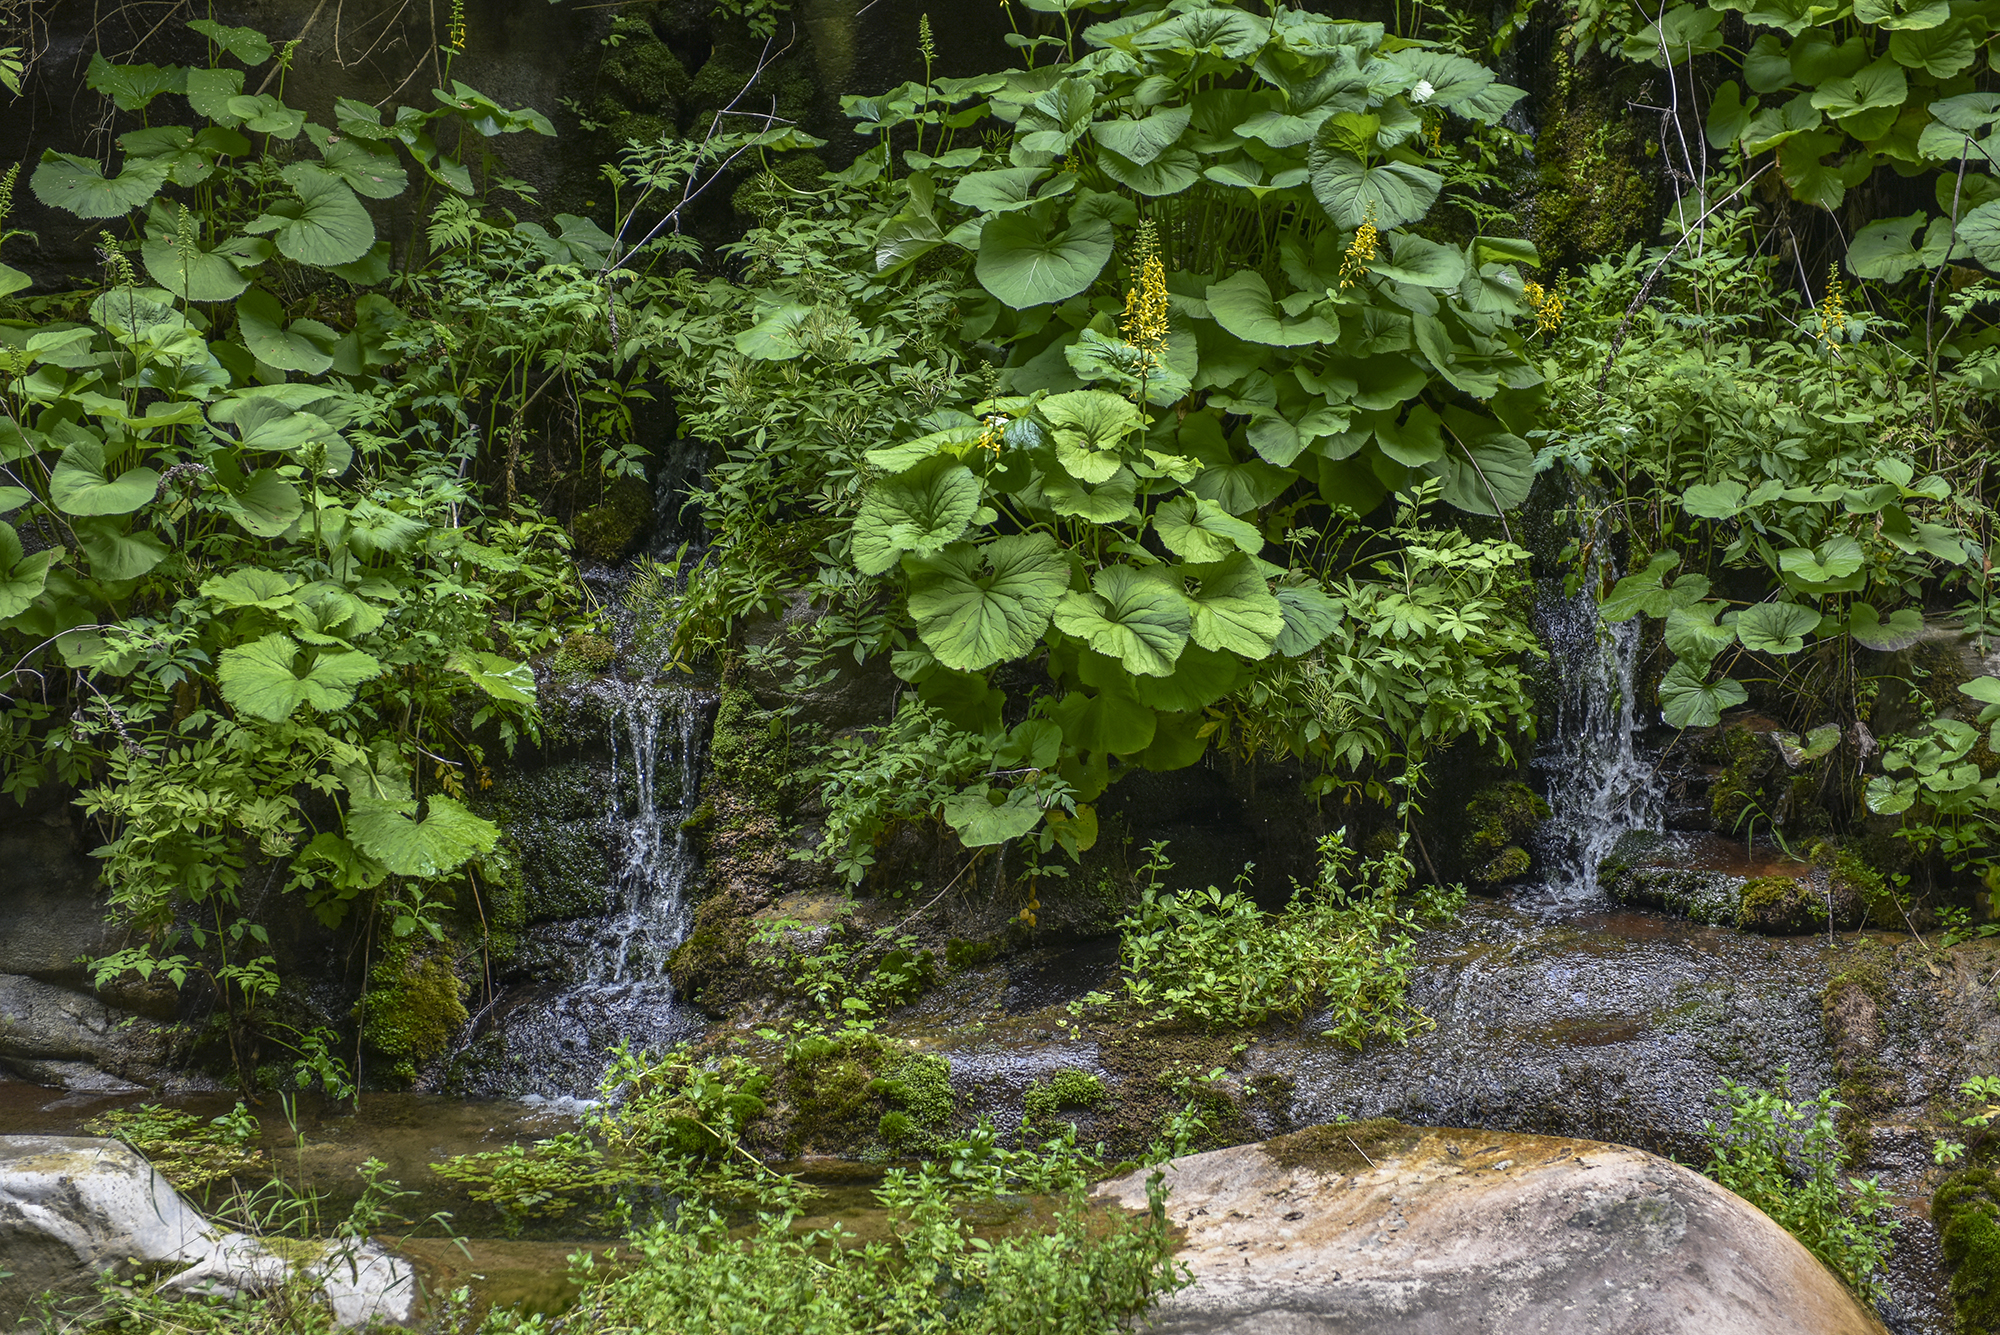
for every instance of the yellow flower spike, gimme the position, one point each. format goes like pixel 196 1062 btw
pixel 1833 308
pixel 1144 323
pixel 1546 304
pixel 1360 253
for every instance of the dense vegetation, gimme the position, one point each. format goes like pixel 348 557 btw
pixel 1175 394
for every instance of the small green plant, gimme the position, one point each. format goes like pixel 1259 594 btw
pixel 190 1152
pixel 1787 1159
pixel 1344 942
pixel 1064 1089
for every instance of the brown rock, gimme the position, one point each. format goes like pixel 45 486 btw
pixel 1394 1230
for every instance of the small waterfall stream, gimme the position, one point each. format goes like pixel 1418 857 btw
pixel 612 967
pixel 1599 783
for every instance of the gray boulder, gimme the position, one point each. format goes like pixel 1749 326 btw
pixel 54 1036
pixel 74 1208
pixel 1394 1230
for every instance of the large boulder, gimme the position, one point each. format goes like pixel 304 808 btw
pixel 1394 1230
pixel 73 1209
pixel 54 1036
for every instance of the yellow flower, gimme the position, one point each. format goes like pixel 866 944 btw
pixel 1546 304
pixel 1145 320
pixel 1833 308
pixel 1360 253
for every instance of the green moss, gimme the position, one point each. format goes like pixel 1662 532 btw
pixel 1780 906
pixel 1595 196
pixel 1855 875
pixel 905 975
pixel 1500 817
pixel 642 72
pixel 1966 1210
pixel 1065 1089
pixel 583 654
pixel 895 1127
pixel 411 1010
pixel 828 1082
pixel 608 532
pixel 1343 1147
pixel 1851 1005
pixel 713 955
pixel 1745 758
pixel 919 1083
pixel 960 954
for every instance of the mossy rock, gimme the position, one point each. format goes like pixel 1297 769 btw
pixel 830 1083
pixel 411 1011
pixel 642 73
pixel 610 531
pixel 1068 1088
pixel 583 654
pixel 1780 906
pixel 711 964
pixel 1966 1210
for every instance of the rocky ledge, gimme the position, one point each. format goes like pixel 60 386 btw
pixel 1394 1230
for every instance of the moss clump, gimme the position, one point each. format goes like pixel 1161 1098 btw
pixel 1852 1004
pixel 1746 759
pixel 828 1081
pixel 706 967
pixel 608 532
pixel 411 1010
pixel 583 655
pixel 1966 1210
pixel 1780 906
pixel 1595 196
pixel 1065 1089
pixel 1501 816
pixel 960 954
pixel 918 1085
pixel 1855 875
pixel 905 975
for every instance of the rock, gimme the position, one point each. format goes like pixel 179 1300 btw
pixel 1386 1229
pixel 73 1208
pixel 54 1036
pixel 1706 878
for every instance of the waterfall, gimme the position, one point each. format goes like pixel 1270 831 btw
pixel 1600 784
pixel 606 976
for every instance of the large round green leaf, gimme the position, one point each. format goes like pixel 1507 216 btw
pixel 1201 531
pixel 1201 677
pixel 1137 615
pixel 80 485
pixel 1942 52
pixel 1693 635
pixel 325 225
pixel 1485 474
pixel 1979 233
pixel 260 321
pixel 79 185
pixel 1112 722
pixel 919 511
pixel 1141 141
pixel 1903 627
pixel 1024 263
pixel 1311 615
pixel 1234 609
pixel 1689 700
pixel 265 680
pixel 1242 304
pixel 21 577
pixel 116 554
pixel 444 840
pixel 1775 628
pixel 1169 174
pixel 265 504
pixel 1353 192
pixel 200 273
pixel 977 606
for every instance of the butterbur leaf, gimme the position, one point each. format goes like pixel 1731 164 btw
pixel 502 678
pixel 1310 616
pixel 1986 690
pixel 1815 744
pixel 1025 262
pixel 979 605
pixel 115 554
pixel 22 578
pixel 264 678
pixel 1201 677
pixel 79 185
pixel 446 838
pixel 1234 609
pixel 1242 304
pixel 1836 559
pixel 1646 593
pixel 246 44
pixel 81 486
pixel 1389 194
pixel 919 511
pixel 301 347
pixel 981 817
pixel 1112 722
pixel 325 225
pixel 1903 627
pixel 1689 700
pixel 1714 500
pixel 1693 635
pixel 1138 616
pixel 1775 628
pixel 1201 531
pixel 1889 797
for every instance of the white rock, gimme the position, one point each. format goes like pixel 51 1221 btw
pixel 72 1208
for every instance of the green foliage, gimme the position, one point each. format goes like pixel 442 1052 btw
pixel 1787 1160
pixel 191 1152
pixel 1343 943
pixel 1966 1209
pixel 1147 476
pixel 411 1009
pixel 1067 1088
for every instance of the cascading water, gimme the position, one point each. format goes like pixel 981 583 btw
pixel 1599 783
pixel 616 988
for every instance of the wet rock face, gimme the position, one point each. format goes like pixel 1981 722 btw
pixel 1388 1230
pixel 54 1036
pixel 1708 879
pixel 74 1208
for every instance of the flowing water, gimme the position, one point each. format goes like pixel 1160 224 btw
pixel 1599 783
pixel 553 1038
